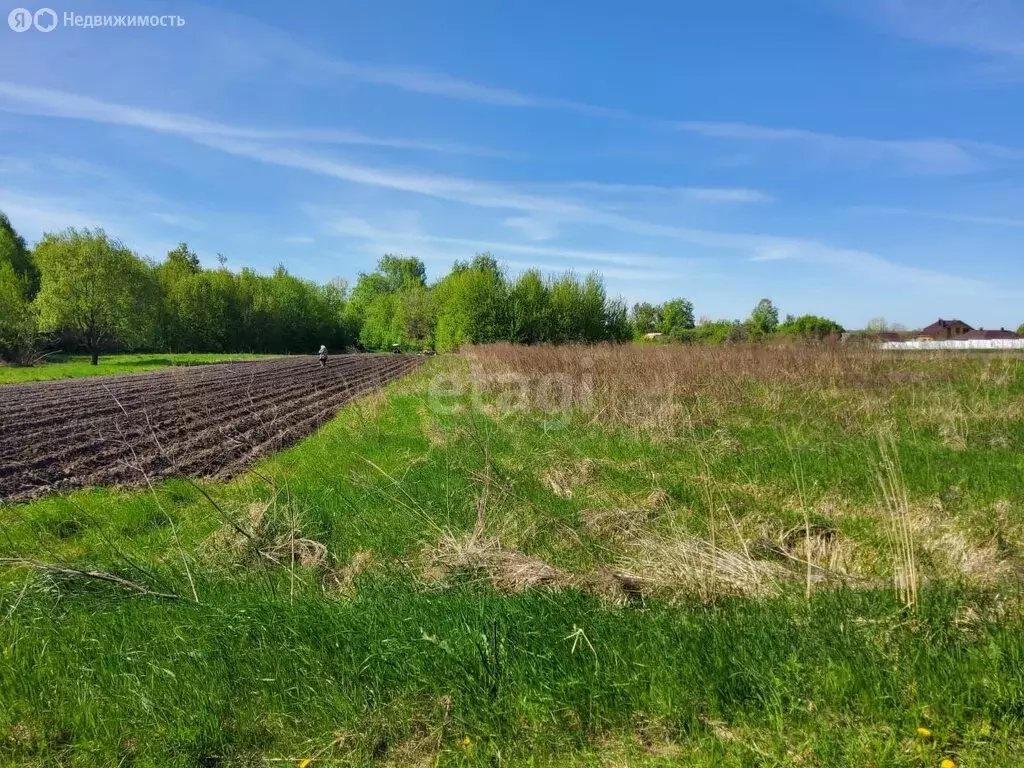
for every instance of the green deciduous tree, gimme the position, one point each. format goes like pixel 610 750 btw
pixel 616 320
pixel 401 272
pixel 716 331
pixel 388 305
pixel 593 308
pixel 95 287
pixel 14 252
pixel 17 319
pixel 415 316
pixel 19 281
pixel 809 327
pixel 472 304
pixel 675 318
pixel 763 320
pixel 529 300
pixel 644 318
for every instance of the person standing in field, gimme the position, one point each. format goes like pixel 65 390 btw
pixel 323 355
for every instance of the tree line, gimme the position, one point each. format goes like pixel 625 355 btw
pixel 83 289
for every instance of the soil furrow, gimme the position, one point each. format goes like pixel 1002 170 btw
pixel 206 421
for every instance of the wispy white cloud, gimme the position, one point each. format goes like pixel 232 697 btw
pixel 963 218
pixel 725 195
pixel 440 84
pixel 697 194
pixel 873 266
pixel 47 214
pixel 50 103
pixel 178 220
pixel 35 214
pixel 479 194
pixel 987 27
pixel 16 165
pixel 532 227
pixel 930 156
pixel 443 250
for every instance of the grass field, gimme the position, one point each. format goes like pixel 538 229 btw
pixel 532 556
pixel 77 366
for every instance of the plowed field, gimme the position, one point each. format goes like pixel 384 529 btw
pixel 204 421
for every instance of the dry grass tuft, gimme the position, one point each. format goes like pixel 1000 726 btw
pixel 614 522
pixel 432 430
pixel 658 500
pixel 954 552
pixel 341 581
pixel 268 533
pixel 670 568
pixel 564 480
pixel 508 570
pixel 901 531
pixel 695 568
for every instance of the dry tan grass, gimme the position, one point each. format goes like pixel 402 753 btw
pixel 646 385
pixel 954 551
pixel 564 480
pixel 432 430
pixel 614 522
pixel 666 388
pixel 666 567
pixel 341 581
pixel 507 569
pixel 266 534
pixel 676 567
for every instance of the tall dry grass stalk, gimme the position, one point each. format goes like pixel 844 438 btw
pixel 901 530
pixel 669 386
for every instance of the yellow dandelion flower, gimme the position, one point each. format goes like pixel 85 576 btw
pixel 466 741
pixel 305 763
pixel 947 763
pixel 924 733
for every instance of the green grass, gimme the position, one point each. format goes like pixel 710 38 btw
pixel 79 366
pixel 412 661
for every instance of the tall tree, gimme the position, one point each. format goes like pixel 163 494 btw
pixel 676 317
pixel 15 252
pixel 401 272
pixel 763 320
pixel 593 302
pixel 529 309
pixel 95 287
pixel 415 317
pixel 616 320
pixel 645 318
pixel 374 305
pixel 472 304
pixel 17 320
pixel 566 304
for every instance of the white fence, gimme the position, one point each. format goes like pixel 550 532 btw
pixel 957 344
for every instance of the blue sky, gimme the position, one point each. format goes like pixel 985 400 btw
pixel 851 159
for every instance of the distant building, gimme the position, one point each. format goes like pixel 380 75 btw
pixel 653 336
pixel 982 334
pixel 888 336
pixel 944 330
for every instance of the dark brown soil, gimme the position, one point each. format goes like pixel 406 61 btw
pixel 201 421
